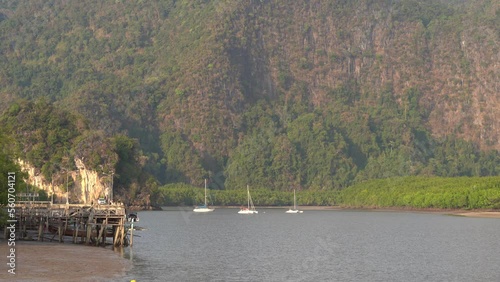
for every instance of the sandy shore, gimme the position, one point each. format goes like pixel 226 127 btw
pixel 455 212
pixel 487 214
pixel 39 261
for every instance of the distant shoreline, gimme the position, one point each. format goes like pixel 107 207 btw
pixel 486 213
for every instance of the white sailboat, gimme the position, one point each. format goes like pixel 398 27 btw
pixel 204 208
pixel 250 209
pixel 294 210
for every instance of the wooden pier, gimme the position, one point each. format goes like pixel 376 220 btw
pixel 84 224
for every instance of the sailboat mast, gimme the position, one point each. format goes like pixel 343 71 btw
pixel 294 201
pixel 248 197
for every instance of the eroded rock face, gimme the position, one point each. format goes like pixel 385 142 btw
pixel 85 185
pixel 452 60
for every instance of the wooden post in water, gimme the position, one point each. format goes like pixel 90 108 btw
pixel 59 230
pixel 47 223
pixel 132 233
pixel 99 235
pixel 105 231
pixel 84 229
pixel 121 239
pixel 115 234
pixel 65 226
pixel 40 229
pixel 89 231
pixel 124 235
pixel 75 232
pixel 120 233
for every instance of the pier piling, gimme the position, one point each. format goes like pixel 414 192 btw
pixel 92 223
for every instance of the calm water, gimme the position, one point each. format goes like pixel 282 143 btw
pixel 180 245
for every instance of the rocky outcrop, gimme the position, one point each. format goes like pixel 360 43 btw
pixel 85 185
pixel 447 50
pixel 36 179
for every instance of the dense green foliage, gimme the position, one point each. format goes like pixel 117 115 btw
pixel 401 192
pixel 271 94
pixel 317 150
pixel 44 134
pixel 423 192
pixel 8 165
pixel 181 194
pixel 50 139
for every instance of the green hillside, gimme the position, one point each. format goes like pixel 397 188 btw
pixel 308 95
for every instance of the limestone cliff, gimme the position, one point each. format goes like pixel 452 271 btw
pixel 448 51
pixel 85 185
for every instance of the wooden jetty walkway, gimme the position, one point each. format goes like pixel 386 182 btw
pixel 85 224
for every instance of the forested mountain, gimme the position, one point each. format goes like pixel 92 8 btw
pixel 275 94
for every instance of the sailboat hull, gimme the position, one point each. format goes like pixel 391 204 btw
pixel 294 210
pixel 248 212
pixel 203 210
pixel 250 209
